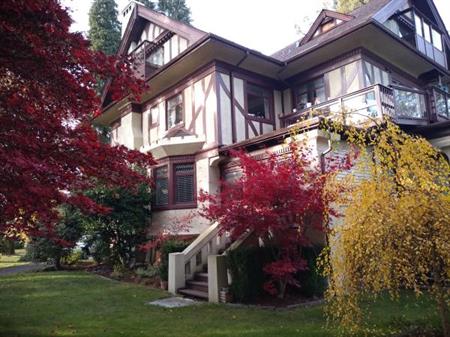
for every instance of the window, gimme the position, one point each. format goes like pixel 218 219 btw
pixel 437 40
pixel 311 93
pixel 374 75
pixel 174 108
pixel 418 22
pixel 175 185
pixel 258 101
pixel 161 186
pixel 184 183
pixel 157 57
pixel 153 116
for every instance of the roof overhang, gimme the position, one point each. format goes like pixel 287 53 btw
pixel 207 50
pixel 373 37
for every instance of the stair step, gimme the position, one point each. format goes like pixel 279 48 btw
pixel 197 285
pixel 201 277
pixel 194 293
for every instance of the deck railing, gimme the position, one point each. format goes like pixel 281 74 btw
pixel 375 101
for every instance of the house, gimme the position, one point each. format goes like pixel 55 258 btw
pixel 209 95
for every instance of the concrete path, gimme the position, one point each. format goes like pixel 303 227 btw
pixel 174 302
pixel 22 269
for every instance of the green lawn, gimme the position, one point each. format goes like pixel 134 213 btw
pixel 80 304
pixel 12 260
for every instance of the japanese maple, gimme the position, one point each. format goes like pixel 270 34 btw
pixel 49 151
pixel 279 199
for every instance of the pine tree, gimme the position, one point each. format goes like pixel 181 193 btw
pixel 176 9
pixel 148 3
pixel 104 27
pixel 346 6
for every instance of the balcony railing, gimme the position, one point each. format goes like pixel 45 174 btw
pixel 368 103
pixel 441 103
pixel 402 104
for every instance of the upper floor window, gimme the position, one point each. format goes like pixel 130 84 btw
pixel 156 58
pixel 310 93
pixel 174 110
pixel 258 101
pixel 429 39
pixel 374 75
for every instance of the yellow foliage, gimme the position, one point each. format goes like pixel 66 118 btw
pixel 395 233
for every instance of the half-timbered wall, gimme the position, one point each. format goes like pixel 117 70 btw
pixel 236 124
pixel 199 116
pixel 171 48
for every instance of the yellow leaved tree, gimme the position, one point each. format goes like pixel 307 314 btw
pixel 395 232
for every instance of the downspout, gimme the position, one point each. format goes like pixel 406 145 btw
pixel 324 153
pixel 243 59
pixel 323 169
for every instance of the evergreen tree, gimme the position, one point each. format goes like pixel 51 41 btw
pixel 346 6
pixel 104 27
pixel 176 9
pixel 148 3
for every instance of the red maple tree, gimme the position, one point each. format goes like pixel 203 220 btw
pixel 49 151
pixel 279 199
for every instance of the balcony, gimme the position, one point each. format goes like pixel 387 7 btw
pixel 404 105
pixel 149 56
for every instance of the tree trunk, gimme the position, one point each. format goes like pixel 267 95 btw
pixel 8 247
pixel 443 312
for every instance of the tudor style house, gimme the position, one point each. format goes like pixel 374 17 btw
pixel 208 95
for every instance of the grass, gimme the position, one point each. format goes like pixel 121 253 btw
pixel 12 260
pixel 80 304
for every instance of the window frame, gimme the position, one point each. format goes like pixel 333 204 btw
pixel 181 123
pixel 170 163
pixel 308 85
pixel 267 88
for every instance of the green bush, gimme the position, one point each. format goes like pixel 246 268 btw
pixel 246 267
pixel 148 272
pixel 312 283
pixel 73 257
pixel 169 246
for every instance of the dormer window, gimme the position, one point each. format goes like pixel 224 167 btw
pixel 327 26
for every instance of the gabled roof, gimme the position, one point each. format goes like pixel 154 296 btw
pixel 359 16
pixel 141 15
pixel 324 16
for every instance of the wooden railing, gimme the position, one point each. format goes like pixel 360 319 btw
pixel 373 101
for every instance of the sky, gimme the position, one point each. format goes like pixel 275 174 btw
pixel 263 25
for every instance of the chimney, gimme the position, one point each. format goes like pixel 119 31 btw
pixel 125 15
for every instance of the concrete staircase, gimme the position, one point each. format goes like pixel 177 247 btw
pixel 197 287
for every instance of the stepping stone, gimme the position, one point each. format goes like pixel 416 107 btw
pixel 173 302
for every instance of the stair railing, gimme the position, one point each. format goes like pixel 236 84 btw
pixel 183 266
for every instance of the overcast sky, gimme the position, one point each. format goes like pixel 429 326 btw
pixel 263 25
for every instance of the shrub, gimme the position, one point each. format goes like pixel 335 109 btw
pixel 312 283
pixel 73 257
pixel 246 267
pixel 167 247
pixel 149 272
